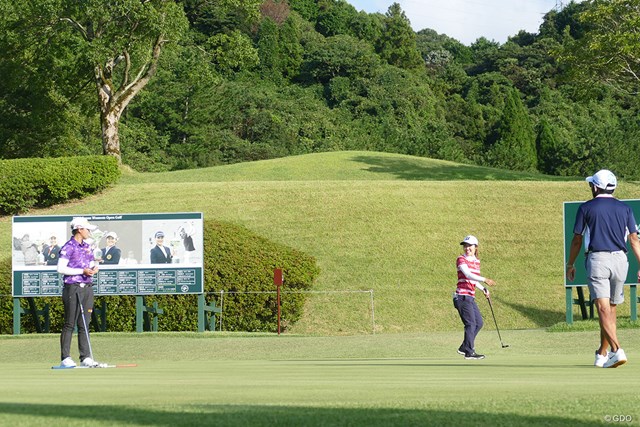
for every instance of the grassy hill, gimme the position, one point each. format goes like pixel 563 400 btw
pixel 382 222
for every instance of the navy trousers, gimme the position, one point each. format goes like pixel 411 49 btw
pixel 472 320
pixel 73 318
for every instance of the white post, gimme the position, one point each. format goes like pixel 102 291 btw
pixel 221 308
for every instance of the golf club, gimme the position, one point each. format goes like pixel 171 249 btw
pixel 84 322
pixel 496 323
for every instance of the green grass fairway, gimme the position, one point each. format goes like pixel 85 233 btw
pixel 264 380
pixel 383 222
pixel 378 221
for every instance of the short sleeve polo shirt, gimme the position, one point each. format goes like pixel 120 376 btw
pixel 608 221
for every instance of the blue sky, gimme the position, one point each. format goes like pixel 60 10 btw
pixel 467 20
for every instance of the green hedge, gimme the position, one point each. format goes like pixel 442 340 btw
pixel 235 260
pixel 29 183
pixel 6 303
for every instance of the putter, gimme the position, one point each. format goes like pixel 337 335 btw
pixel 86 330
pixel 496 323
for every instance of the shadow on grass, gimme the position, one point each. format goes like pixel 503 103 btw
pixel 415 169
pixel 472 365
pixel 253 415
pixel 541 317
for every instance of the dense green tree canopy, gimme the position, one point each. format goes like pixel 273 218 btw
pixel 397 44
pixel 237 80
pixel 609 51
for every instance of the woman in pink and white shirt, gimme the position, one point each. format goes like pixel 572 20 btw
pixel 469 278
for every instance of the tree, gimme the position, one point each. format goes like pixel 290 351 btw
pixel 515 147
pixel 41 98
pixel 269 51
pixel 558 24
pixel 336 56
pixel 335 17
pixel 559 145
pixel 278 11
pixel 208 17
pixel 484 53
pixel 289 37
pixel 308 9
pixel 547 145
pixel 123 42
pixel 465 119
pixel 231 52
pixel 367 27
pixel 67 48
pixel 398 42
pixel 278 42
pixel 609 51
pixel 157 130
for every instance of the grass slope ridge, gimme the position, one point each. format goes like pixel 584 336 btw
pixel 382 222
pixel 340 166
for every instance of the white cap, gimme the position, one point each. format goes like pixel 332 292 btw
pixel 111 234
pixel 469 240
pixel 80 222
pixel 604 179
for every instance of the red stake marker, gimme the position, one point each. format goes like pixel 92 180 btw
pixel 277 280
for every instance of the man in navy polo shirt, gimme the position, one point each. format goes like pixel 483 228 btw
pixel 604 223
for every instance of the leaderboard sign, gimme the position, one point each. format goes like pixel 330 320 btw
pixel 138 254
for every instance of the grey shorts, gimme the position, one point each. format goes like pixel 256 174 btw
pixel 606 273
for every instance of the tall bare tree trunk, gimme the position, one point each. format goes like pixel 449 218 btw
pixel 109 121
pixel 113 101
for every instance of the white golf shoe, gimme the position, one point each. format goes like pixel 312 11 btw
pixel 616 359
pixel 601 360
pixel 89 362
pixel 68 363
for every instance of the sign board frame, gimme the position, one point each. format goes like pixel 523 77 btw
pixel 134 275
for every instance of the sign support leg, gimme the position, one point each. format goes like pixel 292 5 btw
pixel 201 312
pixel 139 312
pixel 569 304
pixel 633 296
pixel 16 316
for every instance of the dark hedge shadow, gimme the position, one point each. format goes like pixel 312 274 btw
pixel 541 317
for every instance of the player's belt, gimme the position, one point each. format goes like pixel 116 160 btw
pixel 607 252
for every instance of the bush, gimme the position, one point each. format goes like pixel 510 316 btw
pixel 29 183
pixel 6 302
pixel 235 260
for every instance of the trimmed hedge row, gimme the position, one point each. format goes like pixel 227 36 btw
pixel 235 260
pixel 29 183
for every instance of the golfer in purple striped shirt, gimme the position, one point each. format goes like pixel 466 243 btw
pixel 77 264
